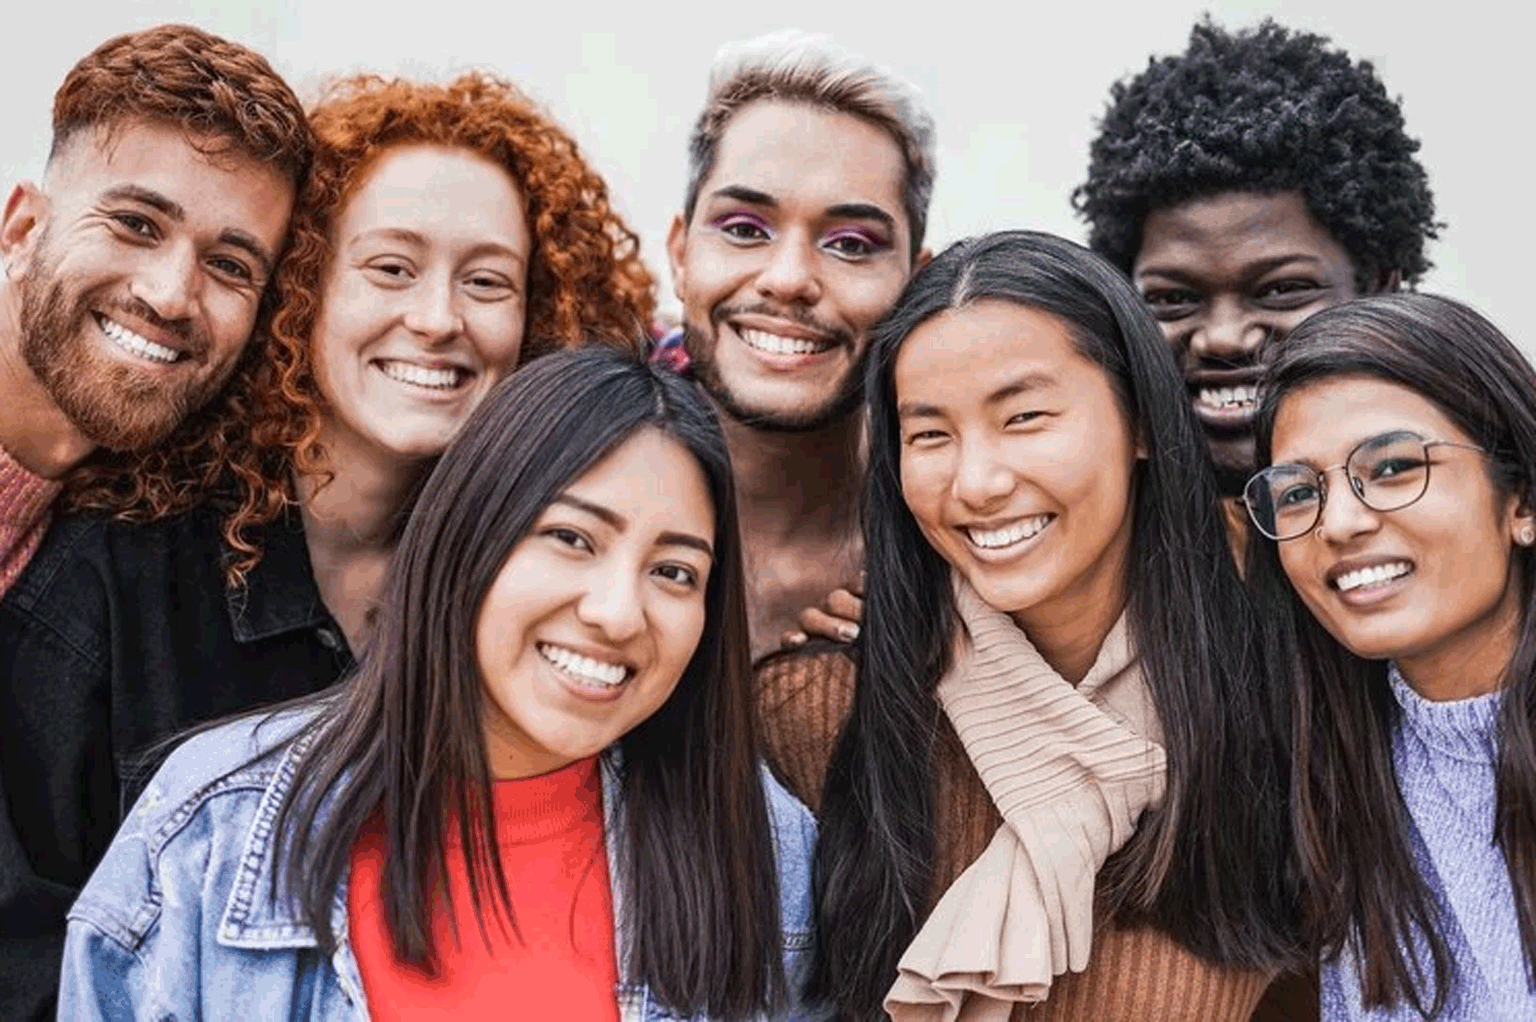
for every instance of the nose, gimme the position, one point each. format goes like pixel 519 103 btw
pixel 1344 515
pixel 981 479
pixel 1228 333
pixel 433 314
pixel 791 272
pixel 611 604
pixel 168 282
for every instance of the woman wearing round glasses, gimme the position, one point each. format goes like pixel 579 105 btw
pixel 1400 435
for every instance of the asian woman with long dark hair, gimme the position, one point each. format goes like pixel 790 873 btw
pixel 1063 752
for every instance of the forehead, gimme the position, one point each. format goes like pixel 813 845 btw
pixel 653 482
pixel 1232 229
pixel 454 188
pixel 961 356
pixel 807 155
pixel 1322 421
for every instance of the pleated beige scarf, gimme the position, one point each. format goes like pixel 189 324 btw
pixel 1070 769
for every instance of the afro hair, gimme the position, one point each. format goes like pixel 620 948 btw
pixel 1264 110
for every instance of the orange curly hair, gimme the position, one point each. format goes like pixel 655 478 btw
pixel 585 282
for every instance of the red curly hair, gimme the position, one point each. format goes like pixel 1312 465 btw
pixel 585 282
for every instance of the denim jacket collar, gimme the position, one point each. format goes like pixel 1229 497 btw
pixel 279 594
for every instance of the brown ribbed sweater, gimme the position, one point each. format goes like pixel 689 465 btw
pixel 1134 975
pixel 25 500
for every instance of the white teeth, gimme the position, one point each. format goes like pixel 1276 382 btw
pixel 1015 533
pixel 584 667
pixel 1245 396
pixel 130 341
pixel 1374 575
pixel 773 344
pixel 421 376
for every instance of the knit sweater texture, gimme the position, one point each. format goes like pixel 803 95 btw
pixel 1444 755
pixel 1134 974
pixel 25 500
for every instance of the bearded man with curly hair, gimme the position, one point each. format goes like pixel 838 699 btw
pixel 136 274
pixel 137 271
pixel 1244 184
pixel 445 234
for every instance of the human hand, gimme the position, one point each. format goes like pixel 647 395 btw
pixel 837 618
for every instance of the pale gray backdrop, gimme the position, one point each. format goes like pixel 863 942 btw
pixel 1016 94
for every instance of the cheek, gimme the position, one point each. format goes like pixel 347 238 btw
pixel 923 484
pixel 499 338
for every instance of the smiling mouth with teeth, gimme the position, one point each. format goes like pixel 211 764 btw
pixel 775 344
pixel 1371 577
pixel 421 376
pixel 1228 398
pixel 584 668
pixel 134 343
pixel 1018 532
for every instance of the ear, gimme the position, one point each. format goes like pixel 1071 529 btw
pixel 1522 521
pixel 924 257
pixel 26 212
pixel 677 247
pixel 1389 281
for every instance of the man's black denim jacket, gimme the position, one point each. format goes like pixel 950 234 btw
pixel 116 637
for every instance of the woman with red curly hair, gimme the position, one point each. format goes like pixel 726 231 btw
pixel 446 235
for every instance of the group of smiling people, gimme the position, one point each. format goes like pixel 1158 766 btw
pixel 398 624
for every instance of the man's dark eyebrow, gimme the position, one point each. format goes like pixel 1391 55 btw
pixel 843 210
pixel 742 193
pixel 147 197
pixel 170 208
pixel 862 211
pixel 617 522
pixel 255 249
pixel 1258 268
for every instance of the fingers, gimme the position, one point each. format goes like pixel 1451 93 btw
pixel 845 604
pixel 815 621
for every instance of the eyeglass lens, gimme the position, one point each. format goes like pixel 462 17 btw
pixel 1386 472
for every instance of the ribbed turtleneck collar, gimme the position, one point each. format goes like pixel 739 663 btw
pixel 1463 729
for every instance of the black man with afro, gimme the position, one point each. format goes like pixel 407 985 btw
pixel 1244 184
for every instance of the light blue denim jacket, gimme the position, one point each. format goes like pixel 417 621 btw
pixel 179 920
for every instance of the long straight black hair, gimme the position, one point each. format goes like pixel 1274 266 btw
pixel 1362 889
pixel 403 736
pixel 1208 865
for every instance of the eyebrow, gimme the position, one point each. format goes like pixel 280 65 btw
pixel 410 237
pixel 842 210
pixel 169 207
pixel 1255 269
pixel 616 521
pixel 1035 379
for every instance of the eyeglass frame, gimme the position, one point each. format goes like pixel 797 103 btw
pixel 1356 486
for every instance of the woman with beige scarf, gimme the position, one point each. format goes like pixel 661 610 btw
pixel 1061 782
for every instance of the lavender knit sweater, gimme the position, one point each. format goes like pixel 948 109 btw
pixel 1444 754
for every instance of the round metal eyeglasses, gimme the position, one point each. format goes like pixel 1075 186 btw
pixel 1386 472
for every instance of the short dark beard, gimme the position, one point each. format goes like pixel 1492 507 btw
pixel 844 403
pixel 109 404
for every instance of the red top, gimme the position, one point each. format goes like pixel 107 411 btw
pixel 550 831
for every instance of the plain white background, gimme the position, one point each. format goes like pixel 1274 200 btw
pixel 1016 89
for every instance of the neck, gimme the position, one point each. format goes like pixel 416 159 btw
pixel 39 436
pixel 353 512
pixel 1069 630
pixel 1476 664
pixel 797 484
